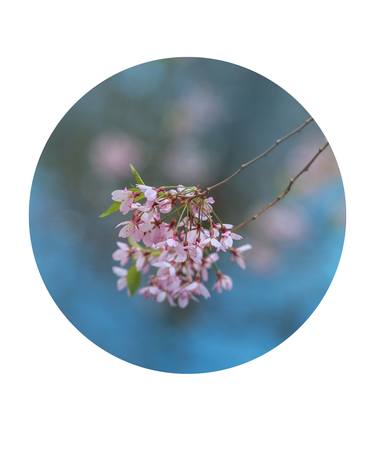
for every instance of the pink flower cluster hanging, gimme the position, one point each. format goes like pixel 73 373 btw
pixel 173 235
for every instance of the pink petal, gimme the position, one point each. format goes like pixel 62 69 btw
pixel 183 301
pixel 244 248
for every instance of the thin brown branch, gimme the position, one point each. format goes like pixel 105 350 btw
pixel 284 192
pixel 261 155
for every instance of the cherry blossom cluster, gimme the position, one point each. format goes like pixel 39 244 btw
pixel 174 235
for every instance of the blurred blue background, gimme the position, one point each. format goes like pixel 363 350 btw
pixel 189 121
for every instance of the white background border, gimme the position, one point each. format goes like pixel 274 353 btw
pixel 307 403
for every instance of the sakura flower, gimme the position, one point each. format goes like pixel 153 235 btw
pixel 198 288
pixel 223 282
pixel 153 292
pixel 122 253
pixel 196 234
pixel 192 235
pixel 147 230
pixel 171 285
pixel 211 241
pixel 122 273
pixel 195 253
pixel 149 192
pixel 165 269
pixel 130 229
pixel 149 216
pixel 184 295
pixel 237 255
pixel 189 292
pixel 141 260
pixel 227 236
pixel 146 207
pixel 206 264
pixel 181 253
pixel 178 250
pixel 161 232
pixel 183 299
pixel 203 208
pixel 125 197
pixel 180 188
pixel 165 206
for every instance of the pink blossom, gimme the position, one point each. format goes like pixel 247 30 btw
pixel 138 207
pixel 161 232
pixel 192 235
pixel 203 209
pixel 237 255
pixel 122 274
pixel 189 292
pixel 206 264
pixel 223 282
pixel 149 192
pixel 211 241
pixel 179 253
pixel 141 260
pixel 130 229
pixel 183 297
pixel 125 197
pixel 165 205
pixel 164 267
pixel 122 253
pixel 227 236
pixel 195 253
pixel 198 288
pixel 153 292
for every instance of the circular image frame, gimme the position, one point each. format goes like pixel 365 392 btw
pixel 218 131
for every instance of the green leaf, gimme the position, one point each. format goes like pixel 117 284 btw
pixel 133 243
pixel 111 209
pixel 138 179
pixel 134 280
pixel 139 197
pixel 155 252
